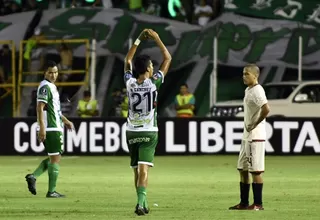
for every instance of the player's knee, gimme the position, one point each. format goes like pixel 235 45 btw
pixel 143 169
pixel 244 174
pixel 257 177
pixel 55 159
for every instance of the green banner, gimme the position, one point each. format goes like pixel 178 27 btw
pixel 307 12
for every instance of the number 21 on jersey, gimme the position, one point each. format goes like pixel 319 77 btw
pixel 142 103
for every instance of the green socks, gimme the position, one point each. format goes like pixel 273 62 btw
pixel 141 192
pixel 145 204
pixel 43 166
pixel 53 171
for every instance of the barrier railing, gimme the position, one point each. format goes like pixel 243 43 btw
pixel 9 85
pixel 23 72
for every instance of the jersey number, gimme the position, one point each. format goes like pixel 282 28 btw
pixel 140 97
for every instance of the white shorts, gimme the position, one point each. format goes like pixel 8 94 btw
pixel 251 156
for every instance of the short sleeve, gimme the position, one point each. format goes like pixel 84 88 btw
pixel 260 98
pixel 43 94
pixel 127 76
pixel 157 79
pixel 192 101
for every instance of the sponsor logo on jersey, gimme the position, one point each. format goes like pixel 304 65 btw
pixel 139 140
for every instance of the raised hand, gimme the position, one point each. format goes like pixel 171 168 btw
pixel 152 34
pixel 143 35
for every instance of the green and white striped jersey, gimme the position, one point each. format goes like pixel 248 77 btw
pixel 142 114
pixel 48 93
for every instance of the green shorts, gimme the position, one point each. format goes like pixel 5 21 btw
pixel 142 146
pixel 53 143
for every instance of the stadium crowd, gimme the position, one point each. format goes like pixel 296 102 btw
pixel 191 11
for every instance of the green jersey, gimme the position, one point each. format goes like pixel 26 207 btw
pixel 142 113
pixel 48 93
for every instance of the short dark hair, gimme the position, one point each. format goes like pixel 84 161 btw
pixel 184 84
pixel 141 64
pixel 86 93
pixel 253 68
pixel 50 64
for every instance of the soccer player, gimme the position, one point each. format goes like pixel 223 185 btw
pixel 252 152
pixel 142 129
pixel 50 131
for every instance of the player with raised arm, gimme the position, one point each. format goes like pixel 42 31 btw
pixel 142 129
pixel 252 152
pixel 50 130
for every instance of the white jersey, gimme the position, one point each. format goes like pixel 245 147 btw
pixel 254 99
pixel 142 113
pixel 48 93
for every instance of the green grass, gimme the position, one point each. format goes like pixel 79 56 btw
pixel 198 187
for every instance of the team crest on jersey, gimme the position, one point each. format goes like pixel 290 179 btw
pixel 156 76
pixel 133 85
pixel 127 76
pixel 43 91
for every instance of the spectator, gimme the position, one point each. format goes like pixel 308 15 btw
pixel 125 104
pixel 107 3
pixel 66 57
pixel 185 103
pixel 66 105
pixel 87 107
pixel 203 13
pixel 9 7
pixel 153 8
pixel 30 5
pixel 35 52
pixel 32 110
pixel 117 99
pixel 5 64
pixel 86 3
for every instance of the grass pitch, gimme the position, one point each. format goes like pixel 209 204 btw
pixel 193 187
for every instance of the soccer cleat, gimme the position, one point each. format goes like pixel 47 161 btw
pixel 31 180
pixel 255 207
pixel 140 210
pixel 54 195
pixel 146 210
pixel 239 207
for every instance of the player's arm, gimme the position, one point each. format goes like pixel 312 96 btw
pixel 42 100
pixel 66 122
pixel 192 103
pixel 40 118
pixel 261 100
pixel 79 112
pixel 96 112
pixel 165 53
pixel 179 107
pixel 265 109
pixel 129 57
